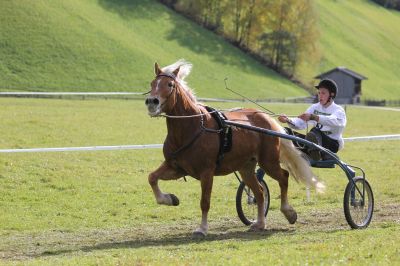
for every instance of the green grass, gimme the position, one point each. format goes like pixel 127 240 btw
pixel 105 45
pixel 364 37
pixel 97 207
pixel 112 45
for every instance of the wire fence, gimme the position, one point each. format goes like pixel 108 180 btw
pixel 159 146
pixel 376 102
pixel 140 95
pixel 74 95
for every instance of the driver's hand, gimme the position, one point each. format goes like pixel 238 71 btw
pixel 306 117
pixel 283 118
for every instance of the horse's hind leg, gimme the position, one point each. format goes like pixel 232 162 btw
pixel 274 170
pixel 249 178
pixel 164 172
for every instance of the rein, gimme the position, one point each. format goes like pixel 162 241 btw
pixel 202 129
pixel 174 154
pixel 269 112
pixel 203 114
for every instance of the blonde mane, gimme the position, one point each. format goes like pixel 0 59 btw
pixel 185 68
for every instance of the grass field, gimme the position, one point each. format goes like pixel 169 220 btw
pixel 361 35
pixel 111 45
pixel 97 207
pixel 105 45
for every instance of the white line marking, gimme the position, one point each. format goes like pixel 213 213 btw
pixel 91 148
pixel 159 146
pixel 368 138
pixel 377 107
pixel 68 93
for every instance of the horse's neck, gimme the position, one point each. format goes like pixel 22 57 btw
pixel 182 129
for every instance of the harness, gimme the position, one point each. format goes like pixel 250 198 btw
pixel 224 131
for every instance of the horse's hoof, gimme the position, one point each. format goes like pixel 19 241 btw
pixel 174 199
pixel 290 214
pixel 292 218
pixel 198 235
pixel 256 228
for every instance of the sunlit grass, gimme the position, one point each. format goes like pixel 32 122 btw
pixel 97 207
pixel 105 45
pixel 361 36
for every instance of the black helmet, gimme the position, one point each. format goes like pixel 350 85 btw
pixel 328 84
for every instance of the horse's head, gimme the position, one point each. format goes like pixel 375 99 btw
pixel 166 86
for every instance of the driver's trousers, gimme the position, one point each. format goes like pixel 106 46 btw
pixel 327 142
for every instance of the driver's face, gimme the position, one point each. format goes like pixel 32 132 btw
pixel 323 95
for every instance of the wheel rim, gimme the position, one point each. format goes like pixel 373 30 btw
pixel 360 209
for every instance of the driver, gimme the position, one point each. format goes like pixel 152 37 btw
pixel 328 119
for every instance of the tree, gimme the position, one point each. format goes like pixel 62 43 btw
pixel 282 32
pixel 395 4
pixel 290 35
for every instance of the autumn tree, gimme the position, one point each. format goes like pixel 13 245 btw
pixel 282 32
pixel 395 4
pixel 290 34
pixel 207 12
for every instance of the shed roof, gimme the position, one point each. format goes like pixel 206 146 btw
pixel 343 70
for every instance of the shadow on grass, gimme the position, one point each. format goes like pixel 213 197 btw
pixel 129 9
pixel 184 239
pixel 170 240
pixel 187 33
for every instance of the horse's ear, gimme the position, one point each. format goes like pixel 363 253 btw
pixel 176 71
pixel 157 69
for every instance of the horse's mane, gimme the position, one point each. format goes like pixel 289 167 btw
pixel 184 70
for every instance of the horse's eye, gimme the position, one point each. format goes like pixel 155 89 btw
pixel 170 84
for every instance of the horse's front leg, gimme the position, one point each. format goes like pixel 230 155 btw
pixel 164 172
pixel 206 188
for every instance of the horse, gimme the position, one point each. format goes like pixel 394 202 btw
pixel 191 147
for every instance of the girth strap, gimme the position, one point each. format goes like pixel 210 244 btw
pixel 225 134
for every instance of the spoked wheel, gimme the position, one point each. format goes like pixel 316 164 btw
pixel 358 203
pixel 246 205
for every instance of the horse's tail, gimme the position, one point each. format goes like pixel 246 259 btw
pixel 297 165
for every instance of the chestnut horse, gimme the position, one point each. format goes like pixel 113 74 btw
pixel 192 146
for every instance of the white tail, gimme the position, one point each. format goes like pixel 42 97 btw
pixel 297 165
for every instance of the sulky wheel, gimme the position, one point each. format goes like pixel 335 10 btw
pixel 358 203
pixel 246 205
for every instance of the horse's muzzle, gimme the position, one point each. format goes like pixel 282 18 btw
pixel 152 101
pixel 153 105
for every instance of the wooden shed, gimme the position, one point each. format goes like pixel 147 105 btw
pixel 348 82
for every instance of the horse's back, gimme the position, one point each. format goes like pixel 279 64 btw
pixel 252 117
pixel 249 146
pixel 255 141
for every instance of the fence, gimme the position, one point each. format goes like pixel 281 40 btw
pixel 375 102
pixel 159 146
pixel 74 95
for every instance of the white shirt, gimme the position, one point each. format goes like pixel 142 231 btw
pixel 333 120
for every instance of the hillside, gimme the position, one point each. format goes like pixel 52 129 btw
pixel 364 37
pixel 105 45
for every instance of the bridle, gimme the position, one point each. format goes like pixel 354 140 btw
pixel 203 128
pixel 172 76
pixel 173 89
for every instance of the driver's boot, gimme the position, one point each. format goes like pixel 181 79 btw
pixel 314 153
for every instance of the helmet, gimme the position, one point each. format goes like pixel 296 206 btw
pixel 330 85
